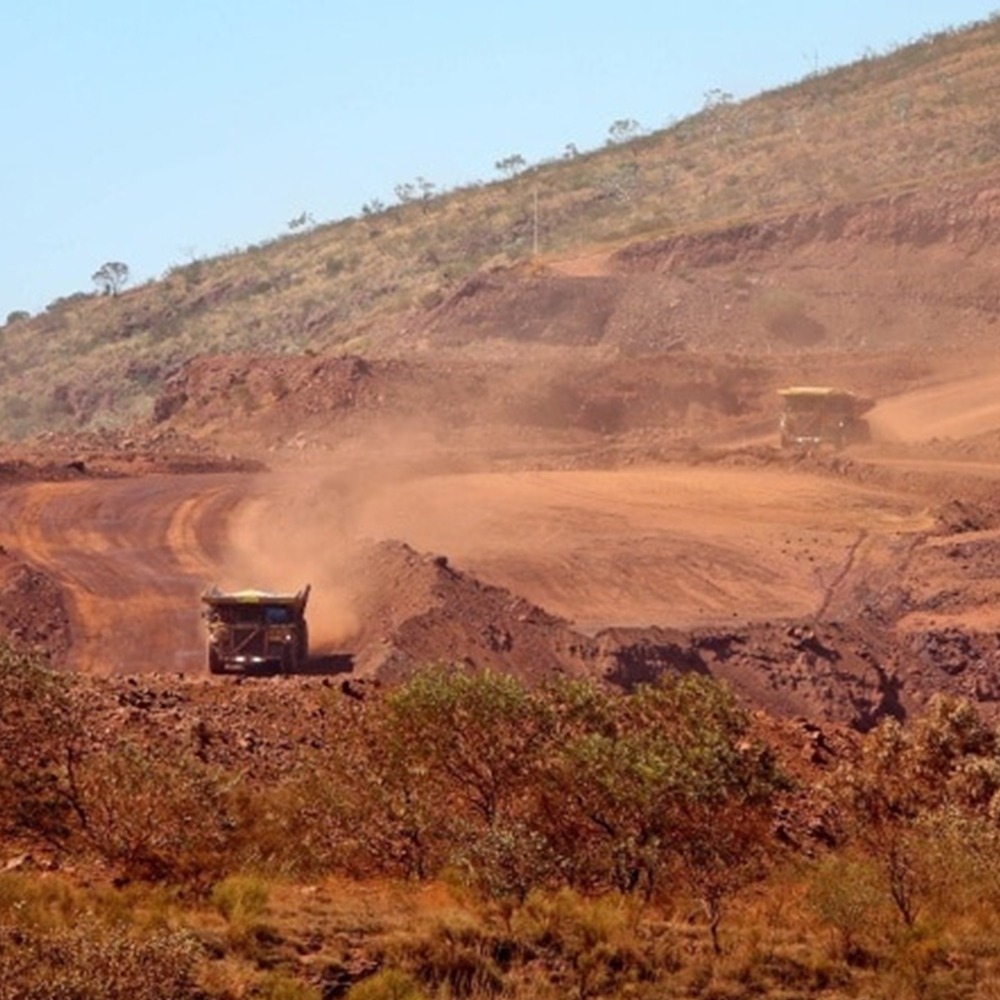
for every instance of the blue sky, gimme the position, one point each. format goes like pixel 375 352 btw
pixel 155 132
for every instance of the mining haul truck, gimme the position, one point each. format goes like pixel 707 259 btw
pixel 254 631
pixel 815 415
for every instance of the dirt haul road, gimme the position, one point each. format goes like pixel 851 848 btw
pixel 131 557
pixel 953 409
pixel 670 545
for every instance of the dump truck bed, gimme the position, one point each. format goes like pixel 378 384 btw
pixel 217 598
pixel 826 395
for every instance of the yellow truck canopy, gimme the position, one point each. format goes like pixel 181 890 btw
pixel 215 597
pixel 827 394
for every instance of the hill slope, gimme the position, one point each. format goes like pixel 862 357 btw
pixel 386 283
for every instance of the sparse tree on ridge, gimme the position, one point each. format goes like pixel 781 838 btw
pixel 405 193
pixel 111 277
pixel 716 98
pixel 623 130
pixel 419 190
pixel 511 165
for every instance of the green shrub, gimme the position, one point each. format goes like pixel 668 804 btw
pixel 431 299
pixel 39 735
pixel 154 817
pixel 389 984
pixel 241 897
pixel 334 266
pixel 847 895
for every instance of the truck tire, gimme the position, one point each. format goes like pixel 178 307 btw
pixel 215 665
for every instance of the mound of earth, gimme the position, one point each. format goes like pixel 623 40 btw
pixel 536 402
pixel 260 728
pixel 829 672
pixel 33 611
pixel 293 403
pixel 108 453
pixel 417 609
pixel 255 727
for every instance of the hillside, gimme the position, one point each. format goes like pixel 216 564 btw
pixel 906 142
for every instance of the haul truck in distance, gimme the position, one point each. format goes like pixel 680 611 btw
pixel 815 415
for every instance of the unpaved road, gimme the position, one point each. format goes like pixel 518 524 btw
pixel 131 556
pixel 668 545
pixel 954 408
pixel 674 546
pixel 671 545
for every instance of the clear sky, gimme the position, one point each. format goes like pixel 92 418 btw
pixel 156 131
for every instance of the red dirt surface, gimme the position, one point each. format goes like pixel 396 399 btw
pixel 573 469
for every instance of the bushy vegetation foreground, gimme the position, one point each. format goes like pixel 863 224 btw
pixel 464 836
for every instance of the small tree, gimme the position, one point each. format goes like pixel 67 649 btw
pixel 111 277
pixel 623 130
pixel 668 776
pixel 511 165
pixel 426 188
pixel 475 734
pixel 405 192
pixel 40 737
pixel 906 778
pixel 716 98
pixel 154 816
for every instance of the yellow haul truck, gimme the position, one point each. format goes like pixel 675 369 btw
pixel 256 631
pixel 813 415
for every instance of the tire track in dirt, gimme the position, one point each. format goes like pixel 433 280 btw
pixel 675 545
pixel 193 534
pixel 957 408
pixel 131 557
pixel 843 573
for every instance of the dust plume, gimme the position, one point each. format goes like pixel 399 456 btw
pixel 306 522
pixel 958 408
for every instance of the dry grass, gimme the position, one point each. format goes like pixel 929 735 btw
pixel 382 939
pixel 916 115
